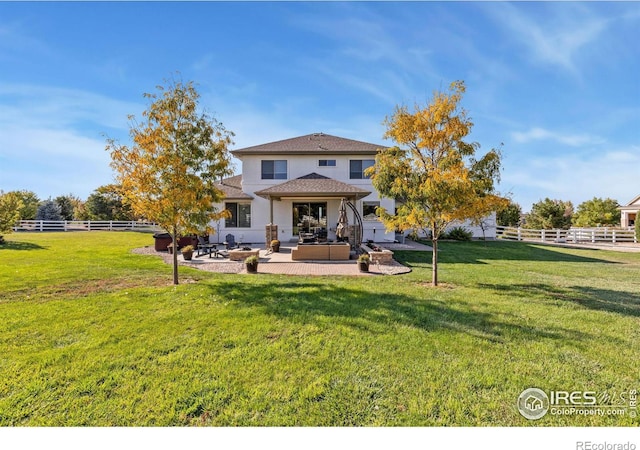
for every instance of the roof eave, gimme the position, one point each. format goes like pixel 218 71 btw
pixel 281 195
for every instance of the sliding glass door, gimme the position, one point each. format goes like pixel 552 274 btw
pixel 309 217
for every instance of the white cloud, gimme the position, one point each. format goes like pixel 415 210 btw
pixel 57 107
pixel 572 176
pixel 541 134
pixel 557 39
pixel 53 138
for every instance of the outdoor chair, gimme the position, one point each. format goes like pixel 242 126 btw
pixel 230 241
pixel 205 248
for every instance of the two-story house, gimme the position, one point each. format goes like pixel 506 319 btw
pixel 298 184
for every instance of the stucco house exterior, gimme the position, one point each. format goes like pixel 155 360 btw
pixel 629 212
pixel 298 184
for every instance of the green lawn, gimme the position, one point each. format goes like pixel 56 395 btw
pixel 91 334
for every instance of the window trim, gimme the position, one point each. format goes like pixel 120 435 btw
pixel 274 175
pixel 327 163
pixel 375 204
pixel 361 176
pixel 237 215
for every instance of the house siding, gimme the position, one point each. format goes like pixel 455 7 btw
pixel 299 165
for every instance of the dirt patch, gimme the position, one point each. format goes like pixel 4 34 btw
pixel 439 286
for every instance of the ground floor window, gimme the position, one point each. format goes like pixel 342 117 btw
pixel 240 215
pixel 369 210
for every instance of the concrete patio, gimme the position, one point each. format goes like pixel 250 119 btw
pixel 281 263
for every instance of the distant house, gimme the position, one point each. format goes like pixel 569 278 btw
pixel 298 184
pixel 629 212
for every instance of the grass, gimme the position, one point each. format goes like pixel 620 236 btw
pixel 95 335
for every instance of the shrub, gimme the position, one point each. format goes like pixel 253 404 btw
pixel 187 249
pixel 253 259
pixel 458 234
pixel 363 258
pixel 48 210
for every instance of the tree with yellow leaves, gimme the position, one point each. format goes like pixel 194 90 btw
pixel 432 173
pixel 169 173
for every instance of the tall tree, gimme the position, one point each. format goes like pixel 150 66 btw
pixel 169 173
pixel 30 203
pixel 10 206
pixel 548 214
pixel 597 212
pixel 48 210
pixel 432 172
pixel 107 203
pixel 66 204
pixel 510 215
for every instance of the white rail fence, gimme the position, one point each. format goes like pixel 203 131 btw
pixel 572 235
pixel 84 225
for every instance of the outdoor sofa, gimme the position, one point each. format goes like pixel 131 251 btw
pixel 334 251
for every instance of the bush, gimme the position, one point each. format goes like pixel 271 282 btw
pixel 458 234
pixel 253 259
pixel 48 210
pixel 363 258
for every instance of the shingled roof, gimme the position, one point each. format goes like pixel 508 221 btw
pixel 232 188
pixel 313 185
pixel 316 143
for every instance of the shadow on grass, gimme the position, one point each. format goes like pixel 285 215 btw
pixel 13 245
pixel 358 308
pixel 479 252
pixel 625 303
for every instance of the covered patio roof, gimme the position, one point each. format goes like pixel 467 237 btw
pixel 313 185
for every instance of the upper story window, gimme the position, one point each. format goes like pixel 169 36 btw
pixel 274 169
pixel 357 168
pixel 327 162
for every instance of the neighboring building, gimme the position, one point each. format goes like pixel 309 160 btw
pixel 297 184
pixel 629 212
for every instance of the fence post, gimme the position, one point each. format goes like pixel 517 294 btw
pixel 519 234
pixel 111 225
pixel 41 225
pixel 613 236
pixel 542 235
pixel 593 236
pixel 88 225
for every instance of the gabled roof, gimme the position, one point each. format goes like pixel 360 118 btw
pixel 633 204
pixel 313 185
pixel 635 201
pixel 316 143
pixel 232 188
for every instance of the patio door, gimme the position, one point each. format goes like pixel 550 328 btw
pixel 309 217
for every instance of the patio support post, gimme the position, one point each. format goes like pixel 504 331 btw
pixel 270 209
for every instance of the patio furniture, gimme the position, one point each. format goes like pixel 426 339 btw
pixel 205 248
pixel 326 252
pixel 230 241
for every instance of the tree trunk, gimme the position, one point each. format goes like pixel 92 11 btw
pixel 174 236
pixel 434 263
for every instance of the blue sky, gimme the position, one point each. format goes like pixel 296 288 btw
pixel 557 83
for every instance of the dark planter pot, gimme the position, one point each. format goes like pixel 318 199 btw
pixel 276 248
pixel 252 267
pixel 187 256
pixel 363 266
